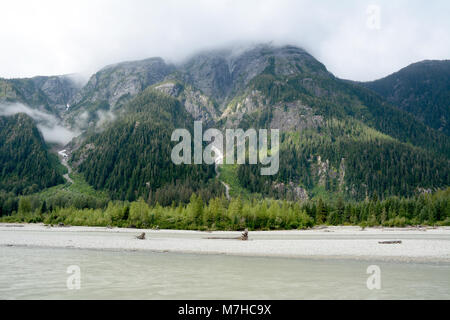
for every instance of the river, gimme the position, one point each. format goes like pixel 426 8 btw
pixel 41 273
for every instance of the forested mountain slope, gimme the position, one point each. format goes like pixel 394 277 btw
pixel 339 138
pixel 422 89
pixel 132 157
pixel 25 163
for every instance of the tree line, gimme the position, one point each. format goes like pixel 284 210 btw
pixel 235 214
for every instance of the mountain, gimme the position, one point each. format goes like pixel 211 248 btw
pixel 421 89
pixel 26 165
pixel 338 138
pixel 210 78
pixel 221 74
pixel 131 158
pixel 329 97
pixel 112 87
pixel 51 94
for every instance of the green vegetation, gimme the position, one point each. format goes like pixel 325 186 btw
pixel 26 166
pixel 79 188
pixel 361 162
pixel 78 195
pixel 339 140
pixel 236 214
pixel 334 98
pixel 229 175
pixel 422 89
pixel 132 157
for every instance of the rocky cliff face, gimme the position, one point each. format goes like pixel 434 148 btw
pixel 117 84
pixel 111 88
pixel 60 90
pixel 200 106
pixel 206 83
pixel 286 116
pixel 51 94
pixel 208 72
pixel 222 74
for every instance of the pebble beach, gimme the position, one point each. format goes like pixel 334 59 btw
pixel 342 242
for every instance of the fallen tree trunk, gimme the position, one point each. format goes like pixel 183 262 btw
pixel 390 242
pixel 244 237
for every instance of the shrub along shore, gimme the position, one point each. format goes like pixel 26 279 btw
pixel 234 214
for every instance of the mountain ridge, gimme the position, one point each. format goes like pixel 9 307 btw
pixel 338 137
pixel 422 89
pixel 292 91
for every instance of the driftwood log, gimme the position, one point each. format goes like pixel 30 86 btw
pixel 141 236
pixel 390 242
pixel 244 237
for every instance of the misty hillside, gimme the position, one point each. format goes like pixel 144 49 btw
pixel 26 164
pixel 339 138
pixel 113 86
pixel 51 94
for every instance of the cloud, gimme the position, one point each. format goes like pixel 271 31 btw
pixel 55 37
pixel 49 125
pixel 104 117
pixel 57 134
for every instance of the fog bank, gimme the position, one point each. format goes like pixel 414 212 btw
pixel 50 126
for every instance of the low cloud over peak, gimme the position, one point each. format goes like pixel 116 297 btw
pixel 359 40
pixel 49 125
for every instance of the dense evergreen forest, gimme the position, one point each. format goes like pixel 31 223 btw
pixel 361 163
pixel 334 98
pixel 422 89
pixel 131 158
pixel 372 148
pixel 26 166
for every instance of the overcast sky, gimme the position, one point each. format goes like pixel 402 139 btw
pixel 358 40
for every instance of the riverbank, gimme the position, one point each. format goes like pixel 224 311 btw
pixel 341 242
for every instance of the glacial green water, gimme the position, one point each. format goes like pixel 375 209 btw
pixel 40 273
